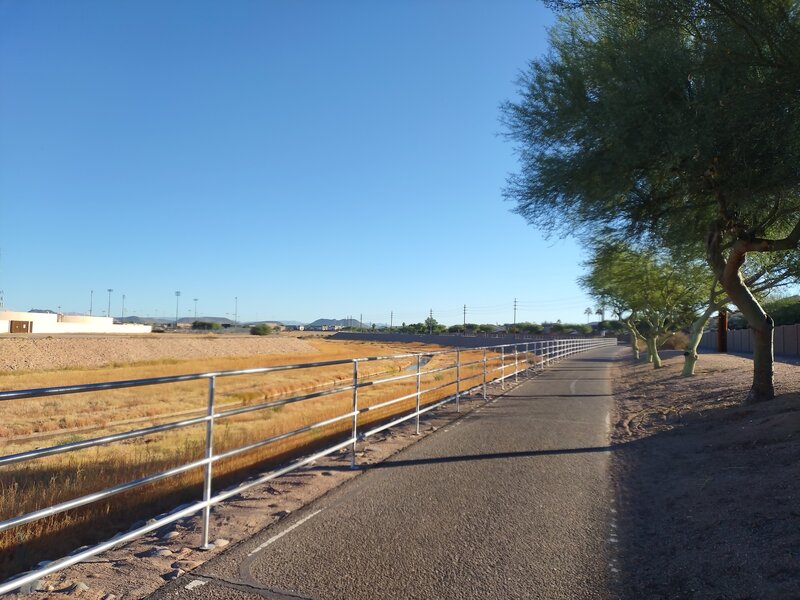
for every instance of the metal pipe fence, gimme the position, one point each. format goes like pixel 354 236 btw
pixel 462 371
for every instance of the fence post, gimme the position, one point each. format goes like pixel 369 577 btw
pixel 355 415
pixel 484 373
pixel 419 377
pixel 458 380
pixel 502 367
pixel 207 477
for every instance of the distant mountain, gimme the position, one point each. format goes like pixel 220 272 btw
pixel 335 322
pixel 144 320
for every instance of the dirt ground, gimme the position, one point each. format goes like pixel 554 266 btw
pixel 33 352
pixel 708 489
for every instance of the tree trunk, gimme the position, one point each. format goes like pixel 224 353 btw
pixel 695 335
pixel 722 331
pixel 634 340
pixel 652 351
pixel 760 322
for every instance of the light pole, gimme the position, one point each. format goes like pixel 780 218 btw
pixel 195 309
pixel 123 308
pixel 108 314
pixel 235 310
pixel 91 301
pixel 177 304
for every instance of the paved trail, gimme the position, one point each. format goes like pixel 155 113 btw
pixel 511 501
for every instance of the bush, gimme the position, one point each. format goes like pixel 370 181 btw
pixel 205 325
pixel 262 329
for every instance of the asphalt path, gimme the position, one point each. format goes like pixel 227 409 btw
pixel 511 501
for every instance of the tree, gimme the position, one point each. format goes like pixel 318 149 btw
pixel 659 294
pixel 588 312
pixel 671 122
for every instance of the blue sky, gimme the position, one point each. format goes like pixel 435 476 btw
pixel 310 158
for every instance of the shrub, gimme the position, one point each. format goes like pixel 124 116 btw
pixel 261 329
pixel 205 325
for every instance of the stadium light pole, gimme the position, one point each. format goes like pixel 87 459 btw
pixel 91 301
pixel 195 309
pixel 108 314
pixel 235 310
pixel 177 305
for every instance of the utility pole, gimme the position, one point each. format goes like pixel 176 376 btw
pixel 465 321
pixel 361 322
pixel 430 322
pixel 391 320
pixel 177 304
pixel 515 315
pixel 91 301
pixel 123 307
pixel 108 314
pixel 235 311
pixel 195 309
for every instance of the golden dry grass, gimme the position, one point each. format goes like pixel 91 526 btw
pixel 33 485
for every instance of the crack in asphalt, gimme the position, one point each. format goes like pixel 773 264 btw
pixel 253 587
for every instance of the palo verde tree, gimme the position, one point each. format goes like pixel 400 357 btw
pixel 654 296
pixel 676 120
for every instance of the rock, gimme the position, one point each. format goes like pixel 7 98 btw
pixel 170 535
pixel 172 575
pixel 154 552
pixel 32 587
pixel 221 542
pixel 186 565
pixel 77 588
pixel 150 522
pixel 282 513
pixel 109 597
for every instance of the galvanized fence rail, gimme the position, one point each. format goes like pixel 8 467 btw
pixel 495 363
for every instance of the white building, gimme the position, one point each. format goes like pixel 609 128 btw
pixel 28 322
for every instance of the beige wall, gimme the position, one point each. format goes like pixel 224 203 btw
pixel 52 323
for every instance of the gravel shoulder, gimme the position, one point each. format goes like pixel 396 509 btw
pixel 708 488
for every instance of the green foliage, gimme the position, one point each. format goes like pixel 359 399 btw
pixel 614 326
pixel 261 329
pixel 784 311
pixel 568 328
pixel 658 118
pixel 526 327
pixel 205 326
pixel 655 294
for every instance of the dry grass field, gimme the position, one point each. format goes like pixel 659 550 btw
pixel 34 423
